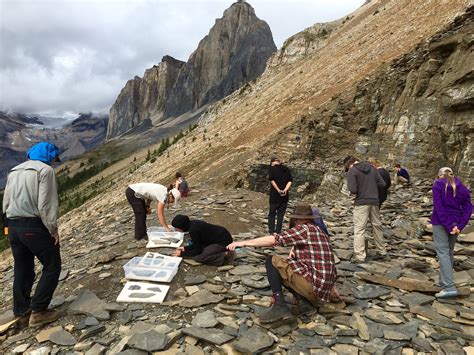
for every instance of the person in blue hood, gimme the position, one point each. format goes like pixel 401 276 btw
pixel 31 205
pixel 45 152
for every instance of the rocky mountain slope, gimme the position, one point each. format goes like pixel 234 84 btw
pixel 387 307
pixel 391 80
pixel 233 53
pixel 19 132
pixel 143 98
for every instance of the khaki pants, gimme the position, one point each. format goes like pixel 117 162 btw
pixel 293 280
pixel 363 214
pixel 399 180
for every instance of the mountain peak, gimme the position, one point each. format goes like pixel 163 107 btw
pixel 233 53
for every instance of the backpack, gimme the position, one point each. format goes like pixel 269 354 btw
pixel 183 186
pixel 318 220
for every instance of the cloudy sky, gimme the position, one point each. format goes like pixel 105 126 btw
pixel 62 57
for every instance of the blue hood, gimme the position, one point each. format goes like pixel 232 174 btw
pixel 43 151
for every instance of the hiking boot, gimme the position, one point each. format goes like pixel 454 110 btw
pixel 22 321
pixel 276 312
pixel 229 257
pixel 355 260
pixel 447 294
pixel 301 306
pixel 43 317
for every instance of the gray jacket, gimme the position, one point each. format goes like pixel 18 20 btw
pixel 31 191
pixel 363 180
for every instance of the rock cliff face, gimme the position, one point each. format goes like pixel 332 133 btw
pixel 233 53
pixel 142 98
pixel 416 111
pixel 304 43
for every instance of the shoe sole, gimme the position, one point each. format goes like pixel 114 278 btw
pixel 35 325
pixel 448 295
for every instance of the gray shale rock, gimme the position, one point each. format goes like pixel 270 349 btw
pixel 88 303
pixel 214 336
pixel 149 341
pixel 253 341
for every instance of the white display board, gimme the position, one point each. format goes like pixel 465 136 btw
pixel 159 239
pixel 143 292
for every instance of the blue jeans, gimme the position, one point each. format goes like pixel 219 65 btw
pixel 444 244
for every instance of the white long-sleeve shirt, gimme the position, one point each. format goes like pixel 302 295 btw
pixel 32 191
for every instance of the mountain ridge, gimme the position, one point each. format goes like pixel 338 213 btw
pixel 233 53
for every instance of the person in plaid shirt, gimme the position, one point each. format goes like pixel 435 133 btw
pixel 309 271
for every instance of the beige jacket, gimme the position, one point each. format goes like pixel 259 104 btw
pixel 32 191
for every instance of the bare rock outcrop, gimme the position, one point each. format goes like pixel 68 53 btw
pixel 142 98
pixel 304 43
pixel 234 52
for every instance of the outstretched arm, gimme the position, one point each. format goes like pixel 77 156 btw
pixel 267 241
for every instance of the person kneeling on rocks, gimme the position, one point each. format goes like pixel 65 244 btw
pixel 309 271
pixel 208 241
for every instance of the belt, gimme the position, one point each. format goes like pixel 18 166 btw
pixel 23 218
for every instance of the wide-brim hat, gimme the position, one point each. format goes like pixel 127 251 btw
pixel 302 211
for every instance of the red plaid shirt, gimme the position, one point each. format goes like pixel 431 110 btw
pixel 313 259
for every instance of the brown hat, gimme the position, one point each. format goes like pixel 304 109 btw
pixel 302 211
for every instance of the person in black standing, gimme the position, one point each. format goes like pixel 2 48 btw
pixel 383 191
pixel 280 182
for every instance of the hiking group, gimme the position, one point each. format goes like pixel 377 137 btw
pixel 31 206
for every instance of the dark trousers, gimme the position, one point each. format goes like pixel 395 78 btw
pixel 30 238
pixel 139 209
pixel 276 209
pixel 213 254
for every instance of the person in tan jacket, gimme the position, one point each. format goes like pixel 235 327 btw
pixel 31 206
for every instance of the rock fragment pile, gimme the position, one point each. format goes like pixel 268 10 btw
pixel 387 307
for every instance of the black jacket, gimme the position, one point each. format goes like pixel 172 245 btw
pixel 363 180
pixel 203 234
pixel 383 191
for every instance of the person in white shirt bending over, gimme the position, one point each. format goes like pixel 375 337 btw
pixel 141 195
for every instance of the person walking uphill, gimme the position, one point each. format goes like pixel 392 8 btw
pixel 209 241
pixel 452 210
pixel 31 205
pixel 309 271
pixel 363 180
pixel 141 195
pixel 280 182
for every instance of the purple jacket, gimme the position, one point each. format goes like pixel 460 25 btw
pixel 450 210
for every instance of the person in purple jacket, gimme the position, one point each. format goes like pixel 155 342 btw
pixel 452 210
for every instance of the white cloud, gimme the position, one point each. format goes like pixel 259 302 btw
pixel 59 56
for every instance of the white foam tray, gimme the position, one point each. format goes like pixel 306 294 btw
pixel 165 273
pixel 159 239
pixel 135 292
pixel 154 260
